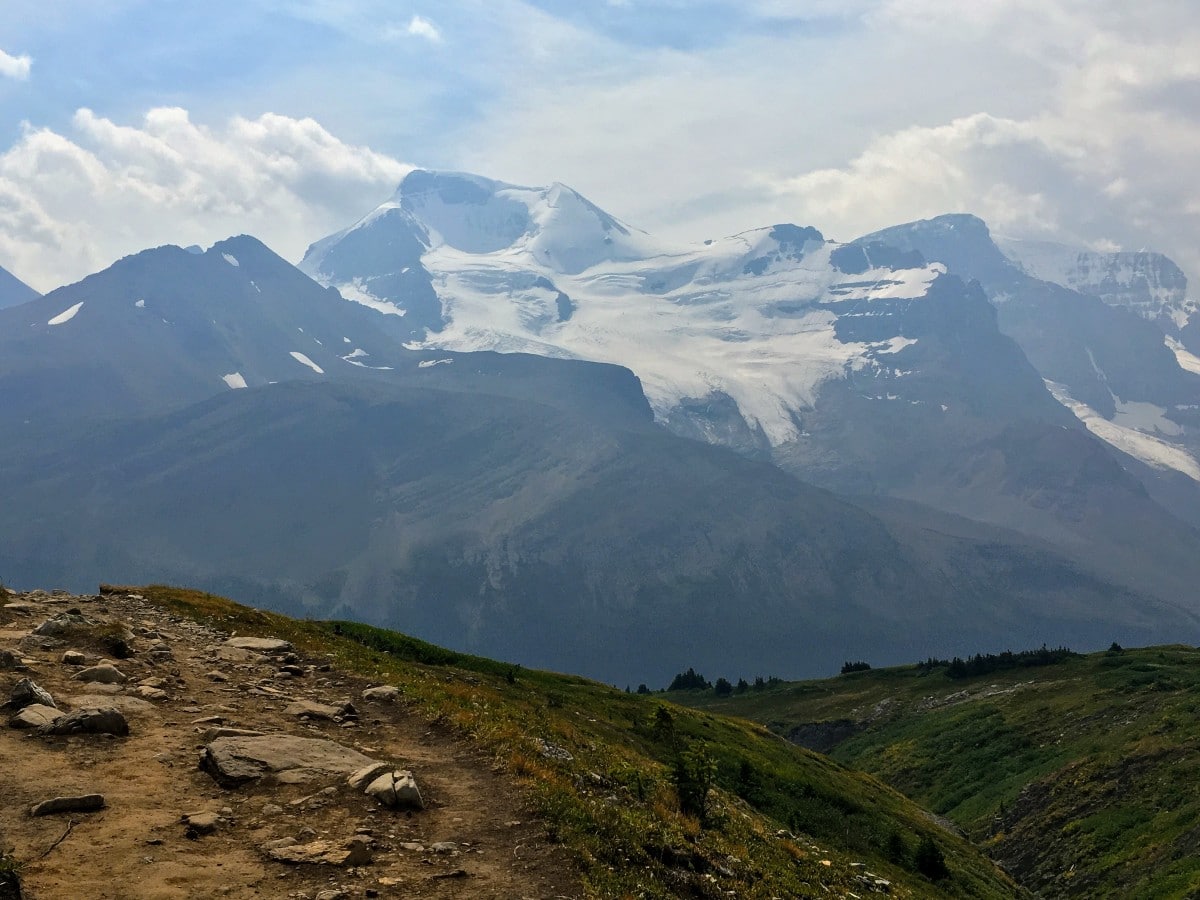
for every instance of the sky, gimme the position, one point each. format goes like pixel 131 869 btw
pixel 126 124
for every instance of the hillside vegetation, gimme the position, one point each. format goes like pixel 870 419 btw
pixel 622 780
pixel 1078 776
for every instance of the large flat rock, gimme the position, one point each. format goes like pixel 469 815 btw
pixel 236 760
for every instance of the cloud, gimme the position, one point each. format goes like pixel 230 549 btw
pixel 71 204
pixel 17 67
pixel 418 26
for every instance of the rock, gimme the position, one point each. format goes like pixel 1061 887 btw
pixel 63 624
pixel 74 658
pixel 220 731
pixel 218 677
pixel 200 823
pixel 35 716
pixel 235 760
pixel 271 809
pixel 351 853
pixel 333 894
pixel 89 721
pixel 444 847
pixel 396 790
pixel 383 694
pixel 108 701
pixel 315 710
pixel 147 692
pixel 26 693
pixel 278 844
pixel 102 674
pixel 259 645
pixel 364 776
pixel 9 660
pixel 86 803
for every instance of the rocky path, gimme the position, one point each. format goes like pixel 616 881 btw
pixel 273 813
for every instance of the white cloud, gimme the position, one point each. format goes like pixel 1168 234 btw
pixel 17 67
pixel 71 204
pixel 419 26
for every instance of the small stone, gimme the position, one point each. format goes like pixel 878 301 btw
pixel 383 694
pixel 332 895
pixel 218 677
pixel 151 693
pixel 397 790
pixel 35 716
pixel 200 823
pixel 444 847
pixel 272 809
pixel 279 843
pixel 102 674
pixel 85 803
pixel 316 710
pixel 74 658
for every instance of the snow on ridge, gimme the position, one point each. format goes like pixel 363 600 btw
pixel 305 361
pixel 235 380
pixel 355 292
pixel 66 315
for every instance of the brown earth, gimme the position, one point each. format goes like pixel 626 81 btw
pixel 139 847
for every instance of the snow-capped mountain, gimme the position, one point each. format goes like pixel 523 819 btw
pixel 1105 331
pixel 13 291
pixel 1149 284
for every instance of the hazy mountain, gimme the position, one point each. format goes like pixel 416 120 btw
pixel 538 534
pixel 13 291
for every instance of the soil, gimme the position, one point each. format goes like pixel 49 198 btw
pixel 138 846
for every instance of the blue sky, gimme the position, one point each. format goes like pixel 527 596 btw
pixel 1057 119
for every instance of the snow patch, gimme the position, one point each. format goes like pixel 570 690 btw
pixel 305 361
pixel 1187 360
pixel 1150 450
pixel 231 260
pixel 66 315
pixel 234 380
pixel 140 304
pixel 355 292
pixel 430 363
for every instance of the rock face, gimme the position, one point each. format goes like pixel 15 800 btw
pixel 232 761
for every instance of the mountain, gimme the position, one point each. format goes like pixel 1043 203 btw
pixel 13 291
pixel 910 364
pixel 1097 338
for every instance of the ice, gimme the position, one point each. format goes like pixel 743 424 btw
pixel 234 380
pixel 66 315
pixel 1151 450
pixel 305 361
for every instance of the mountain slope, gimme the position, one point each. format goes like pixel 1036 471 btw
pixel 1068 774
pixel 13 291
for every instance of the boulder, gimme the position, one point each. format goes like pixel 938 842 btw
pixel 74 658
pixel 396 790
pixel 35 716
pixel 84 803
pixel 26 693
pixel 104 673
pixel 315 710
pixel 199 823
pixel 235 760
pixel 330 853
pixel 63 624
pixel 89 721
pixel 259 645
pixel 383 694
pixel 9 660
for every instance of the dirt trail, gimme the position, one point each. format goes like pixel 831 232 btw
pixel 138 847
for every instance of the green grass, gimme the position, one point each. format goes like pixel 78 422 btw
pixel 780 821
pixel 1081 776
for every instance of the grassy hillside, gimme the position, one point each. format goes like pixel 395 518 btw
pixel 620 779
pixel 1080 777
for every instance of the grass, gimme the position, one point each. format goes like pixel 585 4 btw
pixel 1081 776
pixel 601 768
